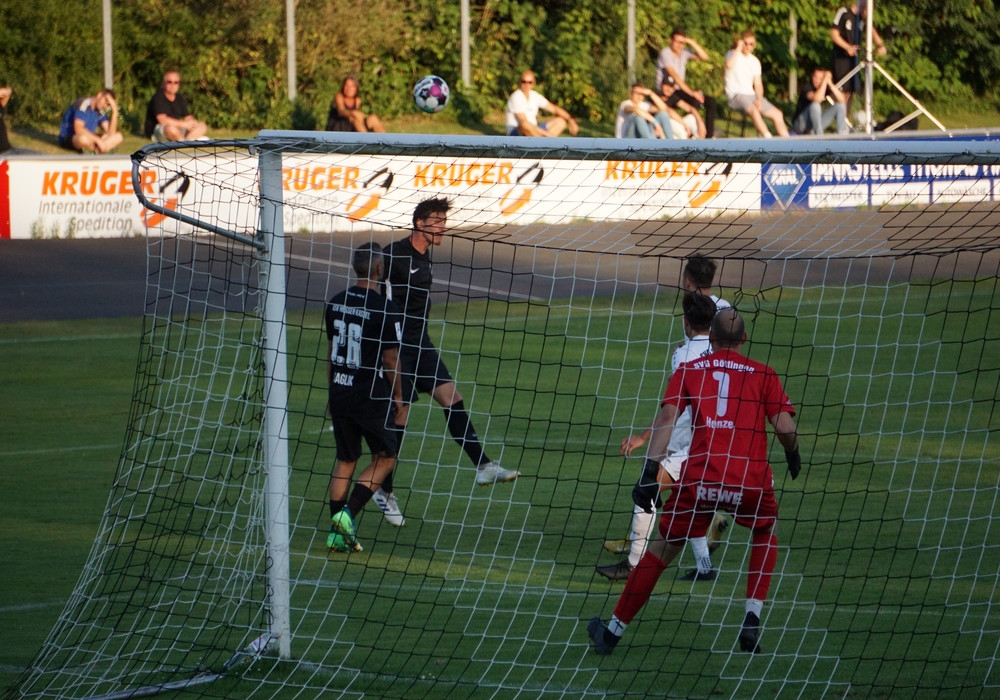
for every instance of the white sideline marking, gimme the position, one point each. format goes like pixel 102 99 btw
pixel 70 339
pixel 79 448
pixel 8 609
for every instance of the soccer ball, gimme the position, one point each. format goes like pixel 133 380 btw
pixel 431 94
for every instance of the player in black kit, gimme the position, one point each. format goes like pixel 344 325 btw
pixel 364 329
pixel 408 278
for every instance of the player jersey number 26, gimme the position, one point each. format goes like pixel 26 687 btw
pixel 346 344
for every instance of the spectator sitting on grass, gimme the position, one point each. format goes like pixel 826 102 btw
pixel 85 117
pixel 345 111
pixel 168 117
pixel 5 92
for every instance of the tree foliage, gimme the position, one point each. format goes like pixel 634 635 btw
pixel 232 53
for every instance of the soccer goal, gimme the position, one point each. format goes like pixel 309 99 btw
pixel 868 274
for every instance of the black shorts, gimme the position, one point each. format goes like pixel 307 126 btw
pixel 363 419
pixel 67 143
pixel 842 65
pixel 423 370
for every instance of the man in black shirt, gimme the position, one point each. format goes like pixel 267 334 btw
pixel 364 329
pixel 409 276
pixel 168 117
pixel 848 36
pixel 812 114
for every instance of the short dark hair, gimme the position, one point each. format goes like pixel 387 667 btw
pixel 699 310
pixel 436 205
pixel 728 327
pixel 107 91
pixel 700 270
pixel 365 259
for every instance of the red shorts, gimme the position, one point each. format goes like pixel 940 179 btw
pixel 690 507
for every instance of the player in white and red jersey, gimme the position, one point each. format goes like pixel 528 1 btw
pixel 699 310
pixel 697 279
pixel 732 398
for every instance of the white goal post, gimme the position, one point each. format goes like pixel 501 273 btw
pixel 868 271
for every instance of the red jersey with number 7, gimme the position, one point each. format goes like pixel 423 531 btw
pixel 731 397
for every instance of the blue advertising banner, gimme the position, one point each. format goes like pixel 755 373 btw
pixel 847 186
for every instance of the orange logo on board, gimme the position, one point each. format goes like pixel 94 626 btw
pixel 702 182
pixel 366 201
pixel 518 196
pixel 171 193
pixel 706 186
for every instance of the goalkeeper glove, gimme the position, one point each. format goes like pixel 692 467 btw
pixel 794 462
pixel 647 490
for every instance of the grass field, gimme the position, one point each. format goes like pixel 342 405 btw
pixel 888 568
pixel 65 393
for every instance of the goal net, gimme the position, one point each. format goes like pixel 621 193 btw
pixel 867 272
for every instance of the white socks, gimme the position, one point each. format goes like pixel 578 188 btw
pixel 700 547
pixel 642 528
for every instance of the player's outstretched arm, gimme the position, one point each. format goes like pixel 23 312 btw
pixel 634 442
pixel 660 432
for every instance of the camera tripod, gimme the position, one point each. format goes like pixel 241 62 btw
pixel 869 65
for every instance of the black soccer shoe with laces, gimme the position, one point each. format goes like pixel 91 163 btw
pixel 616 572
pixel 604 641
pixel 750 633
pixel 695 575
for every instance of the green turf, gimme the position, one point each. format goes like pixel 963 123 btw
pixel 66 392
pixel 886 532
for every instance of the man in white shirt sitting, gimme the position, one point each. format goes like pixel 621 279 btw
pixel 522 112
pixel 745 87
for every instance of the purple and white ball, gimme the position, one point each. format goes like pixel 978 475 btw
pixel 431 94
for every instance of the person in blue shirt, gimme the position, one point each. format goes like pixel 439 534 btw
pixel 88 116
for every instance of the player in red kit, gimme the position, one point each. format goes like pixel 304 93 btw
pixel 732 398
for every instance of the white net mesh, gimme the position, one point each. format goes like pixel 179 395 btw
pixel 556 305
